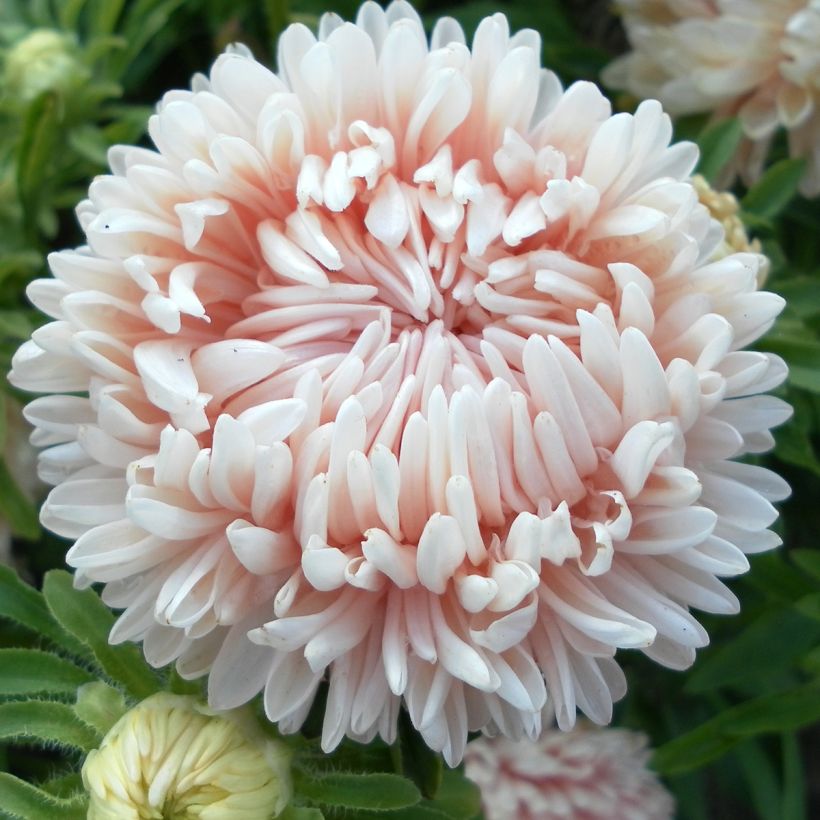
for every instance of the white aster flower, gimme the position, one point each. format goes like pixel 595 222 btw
pixel 585 774
pixel 172 758
pixel 756 59
pixel 409 370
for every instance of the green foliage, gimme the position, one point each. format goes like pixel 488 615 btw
pixel 718 143
pixel 83 615
pixel 22 800
pixel 370 791
pixel 728 733
pixel 31 672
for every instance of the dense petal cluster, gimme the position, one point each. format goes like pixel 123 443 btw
pixel 170 757
pixel 585 774
pixel 409 370
pixel 755 59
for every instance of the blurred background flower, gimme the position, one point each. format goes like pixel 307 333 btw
pixel 585 774
pixel 758 60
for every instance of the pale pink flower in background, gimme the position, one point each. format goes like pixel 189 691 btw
pixel 585 774
pixel 755 59
pixel 409 370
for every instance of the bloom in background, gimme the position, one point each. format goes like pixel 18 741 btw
pixel 586 774
pixel 44 60
pixel 410 370
pixel 755 59
pixel 171 757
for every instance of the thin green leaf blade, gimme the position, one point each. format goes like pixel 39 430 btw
pixel 21 799
pixel 84 615
pixel 794 784
pixel 419 762
pixel 32 671
pixel 775 189
pixel 16 508
pixel 718 143
pixel 768 645
pixel 37 144
pixel 46 722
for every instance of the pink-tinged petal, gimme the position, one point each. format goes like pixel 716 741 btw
pixel 407 370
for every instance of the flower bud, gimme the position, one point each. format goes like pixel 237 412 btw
pixel 172 757
pixel 44 60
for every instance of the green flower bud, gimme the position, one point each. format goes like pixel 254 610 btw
pixel 44 60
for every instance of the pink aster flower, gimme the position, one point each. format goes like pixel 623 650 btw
pixel 585 774
pixel 755 59
pixel 407 369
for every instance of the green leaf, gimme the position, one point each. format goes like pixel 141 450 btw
pixel 794 786
pixel 802 293
pixel 779 712
pixel 358 791
pixel 100 705
pixel 300 813
pixel 30 671
pixel 718 143
pixel 46 721
pixel 15 323
pixel 37 148
pixel 25 605
pixel 21 799
pixel 423 811
pixel 761 780
pixel 16 508
pixel 809 606
pixel 808 560
pixel 457 797
pixel 769 645
pixel 85 616
pixel 69 784
pixel 775 189
pixel 419 762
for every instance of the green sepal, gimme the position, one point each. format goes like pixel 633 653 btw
pixel 86 617
pixel 100 705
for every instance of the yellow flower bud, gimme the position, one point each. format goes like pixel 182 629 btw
pixel 724 207
pixel 172 758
